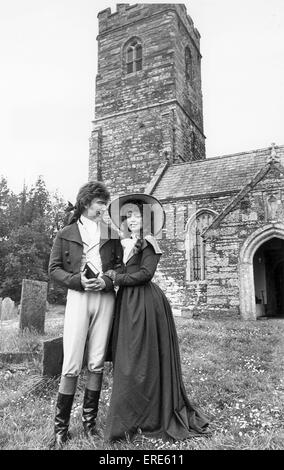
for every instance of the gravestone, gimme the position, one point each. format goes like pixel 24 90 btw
pixel 9 310
pixel 33 305
pixel 52 357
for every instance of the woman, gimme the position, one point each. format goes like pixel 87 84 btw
pixel 148 392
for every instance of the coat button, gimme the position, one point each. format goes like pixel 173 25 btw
pixel 66 253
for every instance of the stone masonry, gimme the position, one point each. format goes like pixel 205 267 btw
pixel 33 305
pixel 144 118
pixel 241 207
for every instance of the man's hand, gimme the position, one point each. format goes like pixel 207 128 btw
pixel 94 284
pixel 100 284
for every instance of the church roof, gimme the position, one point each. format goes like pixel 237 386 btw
pixel 213 175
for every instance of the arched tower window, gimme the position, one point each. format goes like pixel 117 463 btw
pixel 188 65
pixel 134 56
pixel 195 245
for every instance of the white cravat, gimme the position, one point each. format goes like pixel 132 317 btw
pixel 92 230
pixel 90 233
pixel 128 245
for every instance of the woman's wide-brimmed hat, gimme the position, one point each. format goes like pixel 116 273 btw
pixel 153 213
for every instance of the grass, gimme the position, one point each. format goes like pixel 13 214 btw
pixel 232 369
pixel 11 340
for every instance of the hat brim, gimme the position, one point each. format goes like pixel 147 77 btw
pixel 149 202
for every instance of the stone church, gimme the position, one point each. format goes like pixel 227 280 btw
pixel 223 241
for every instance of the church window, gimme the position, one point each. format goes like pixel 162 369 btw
pixel 195 244
pixel 188 65
pixel 134 57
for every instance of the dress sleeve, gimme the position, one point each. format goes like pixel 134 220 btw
pixel 116 265
pixel 144 274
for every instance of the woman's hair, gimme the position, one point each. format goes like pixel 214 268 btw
pixel 86 194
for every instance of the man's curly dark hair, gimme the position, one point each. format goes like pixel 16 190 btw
pixel 88 192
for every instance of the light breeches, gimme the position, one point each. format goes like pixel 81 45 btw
pixel 88 315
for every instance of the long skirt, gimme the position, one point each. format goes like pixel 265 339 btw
pixel 148 393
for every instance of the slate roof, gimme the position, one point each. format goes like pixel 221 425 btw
pixel 213 175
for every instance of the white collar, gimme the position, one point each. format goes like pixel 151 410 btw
pixel 88 223
pixel 128 242
pixel 128 246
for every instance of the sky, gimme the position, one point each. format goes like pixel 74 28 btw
pixel 48 52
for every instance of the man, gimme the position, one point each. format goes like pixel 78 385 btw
pixel 86 243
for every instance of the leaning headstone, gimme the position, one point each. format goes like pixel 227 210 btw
pixel 52 357
pixel 33 305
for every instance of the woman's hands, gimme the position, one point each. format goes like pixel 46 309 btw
pixel 94 284
pixel 111 274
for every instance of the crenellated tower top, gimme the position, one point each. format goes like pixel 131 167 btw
pixel 127 14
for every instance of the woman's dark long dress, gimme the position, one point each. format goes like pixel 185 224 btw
pixel 148 391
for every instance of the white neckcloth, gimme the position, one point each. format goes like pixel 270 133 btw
pixel 128 245
pixel 90 233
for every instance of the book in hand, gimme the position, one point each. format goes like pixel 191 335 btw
pixel 91 270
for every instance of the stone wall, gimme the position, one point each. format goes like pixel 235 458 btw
pixel 219 293
pixel 225 241
pixel 132 146
pixel 145 117
pixel 188 297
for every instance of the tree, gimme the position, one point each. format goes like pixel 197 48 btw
pixel 28 224
pixel 8 208
pixel 25 258
pixel 35 203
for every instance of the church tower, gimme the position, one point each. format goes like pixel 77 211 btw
pixel 148 94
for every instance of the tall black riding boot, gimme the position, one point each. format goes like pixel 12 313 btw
pixel 90 411
pixel 62 419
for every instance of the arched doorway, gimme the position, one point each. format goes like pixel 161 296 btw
pixel 279 284
pixel 261 272
pixel 268 270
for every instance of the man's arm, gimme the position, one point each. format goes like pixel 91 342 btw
pixel 56 271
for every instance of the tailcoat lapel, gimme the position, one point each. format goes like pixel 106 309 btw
pixel 72 234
